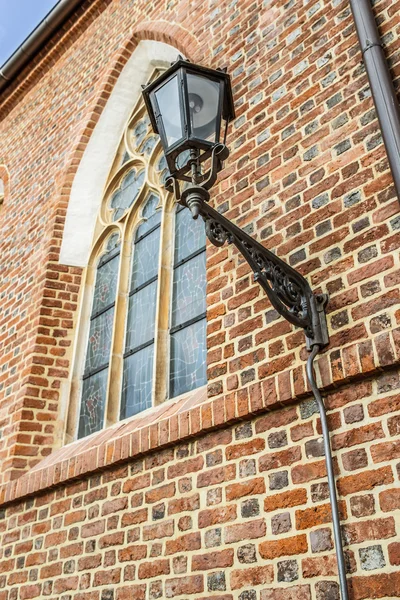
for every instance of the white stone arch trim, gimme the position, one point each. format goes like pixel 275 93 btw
pixel 91 177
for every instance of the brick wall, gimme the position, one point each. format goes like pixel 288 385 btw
pixel 240 513
pixel 307 176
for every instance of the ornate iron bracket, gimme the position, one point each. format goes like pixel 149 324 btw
pixel 288 291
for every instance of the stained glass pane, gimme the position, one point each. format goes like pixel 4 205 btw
pixel 137 382
pixel 189 290
pixel 190 235
pixel 148 145
pixel 124 196
pixel 140 131
pixel 188 359
pixel 150 215
pixel 141 316
pixel 106 284
pixel 145 259
pixel 112 244
pixel 162 169
pixel 182 159
pixel 93 403
pixel 99 344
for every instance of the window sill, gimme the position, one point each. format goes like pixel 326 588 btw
pixel 161 426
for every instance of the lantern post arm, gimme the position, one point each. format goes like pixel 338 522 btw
pixel 288 291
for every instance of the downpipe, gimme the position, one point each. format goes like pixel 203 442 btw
pixel 383 93
pixel 331 476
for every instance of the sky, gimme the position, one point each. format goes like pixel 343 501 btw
pixel 17 20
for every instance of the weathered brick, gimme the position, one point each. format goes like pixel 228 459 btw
pixel 251 576
pixel 248 531
pixel 247 488
pixel 212 560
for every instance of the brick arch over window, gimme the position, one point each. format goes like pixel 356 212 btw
pixel 90 179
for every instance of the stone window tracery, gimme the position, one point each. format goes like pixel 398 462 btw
pixel 142 327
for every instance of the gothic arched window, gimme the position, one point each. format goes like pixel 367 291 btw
pixel 142 332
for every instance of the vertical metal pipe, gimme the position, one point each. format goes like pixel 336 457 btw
pixel 331 477
pixel 383 93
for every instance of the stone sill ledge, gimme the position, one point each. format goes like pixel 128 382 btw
pixel 194 415
pixel 157 428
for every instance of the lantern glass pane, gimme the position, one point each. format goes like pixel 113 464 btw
pixel 169 105
pixel 203 98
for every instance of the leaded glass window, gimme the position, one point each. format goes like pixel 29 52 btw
pixel 188 314
pixel 139 348
pixel 94 388
pixel 143 316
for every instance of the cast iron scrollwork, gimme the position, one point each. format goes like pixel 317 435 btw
pixel 288 291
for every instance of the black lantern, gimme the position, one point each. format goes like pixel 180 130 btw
pixel 187 105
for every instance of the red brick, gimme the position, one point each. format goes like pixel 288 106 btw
pixel 246 531
pixel 251 576
pixel 132 553
pixel 283 458
pixel 251 447
pixel 319 566
pixel 213 560
pixel 308 472
pixel 114 506
pixel 184 543
pixel 184 504
pixel 112 539
pixel 389 500
pixel 215 516
pixel 137 483
pixel 385 452
pixel 317 515
pixel 30 591
pixel 92 529
pixel 357 435
pixel 89 562
pixel 184 467
pixel 133 518
pixel 247 488
pixel 394 553
pixel 138 592
pixel 378 529
pixel 384 405
pixel 283 547
pixel 107 577
pixel 376 586
pixel 154 532
pixel 157 494
pixel 277 418
pixel 364 481
pixel 285 500
pixel 215 476
pixel 191 584
pixel 296 592
pixel 154 568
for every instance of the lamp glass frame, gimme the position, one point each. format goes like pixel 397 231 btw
pixel 180 69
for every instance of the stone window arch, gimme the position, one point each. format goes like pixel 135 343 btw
pixel 142 330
